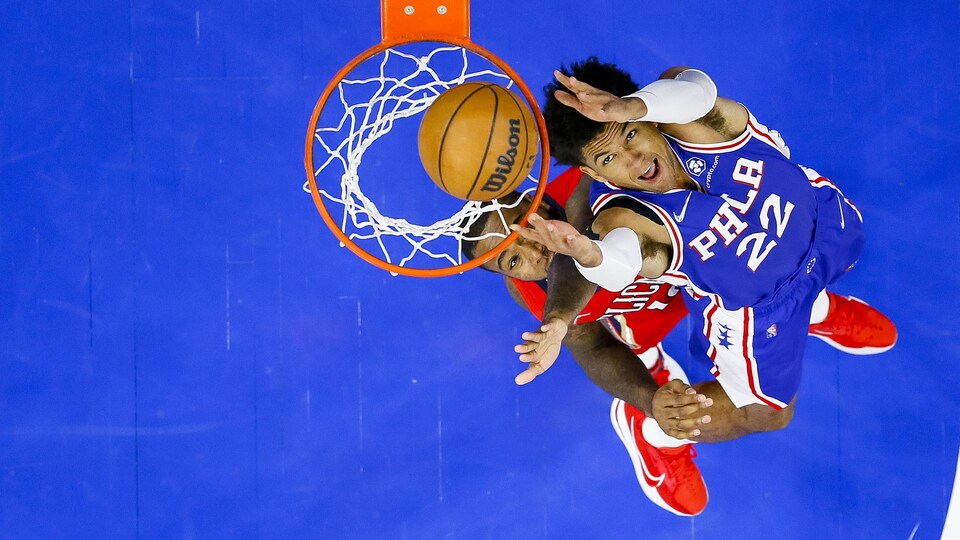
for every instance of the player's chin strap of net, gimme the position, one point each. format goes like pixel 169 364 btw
pixel 370 107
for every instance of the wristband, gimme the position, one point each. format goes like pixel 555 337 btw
pixel 622 260
pixel 691 95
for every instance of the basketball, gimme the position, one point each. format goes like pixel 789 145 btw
pixel 478 141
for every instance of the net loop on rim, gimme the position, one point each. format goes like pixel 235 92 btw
pixel 364 109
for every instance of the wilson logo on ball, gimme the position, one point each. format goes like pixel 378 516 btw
pixel 478 141
pixel 506 160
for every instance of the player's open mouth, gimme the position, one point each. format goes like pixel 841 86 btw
pixel 651 172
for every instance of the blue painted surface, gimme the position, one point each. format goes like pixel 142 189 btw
pixel 185 351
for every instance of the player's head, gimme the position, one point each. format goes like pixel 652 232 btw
pixel 568 130
pixel 632 155
pixel 523 259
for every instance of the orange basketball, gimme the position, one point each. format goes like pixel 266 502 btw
pixel 478 141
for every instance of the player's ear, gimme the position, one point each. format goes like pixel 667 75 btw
pixel 591 173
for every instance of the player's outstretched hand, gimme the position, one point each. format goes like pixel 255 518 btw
pixel 597 104
pixel 679 410
pixel 540 349
pixel 560 237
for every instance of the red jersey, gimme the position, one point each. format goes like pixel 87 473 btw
pixel 642 314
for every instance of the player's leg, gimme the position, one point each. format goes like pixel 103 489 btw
pixel 757 357
pixel 846 323
pixel 728 421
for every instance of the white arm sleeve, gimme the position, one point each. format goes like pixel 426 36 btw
pixel 691 95
pixel 621 261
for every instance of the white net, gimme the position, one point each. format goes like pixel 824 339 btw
pixel 370 102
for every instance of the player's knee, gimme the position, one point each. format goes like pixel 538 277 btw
pixel 781 418
pixel 766 418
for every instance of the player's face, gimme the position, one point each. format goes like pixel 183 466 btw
pixel 523 259
pixel 635 156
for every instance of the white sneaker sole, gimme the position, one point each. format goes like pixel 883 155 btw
pixel 860 351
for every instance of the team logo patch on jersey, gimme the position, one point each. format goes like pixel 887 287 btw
pixel 810 264
pixel 696 166
pixel 772 331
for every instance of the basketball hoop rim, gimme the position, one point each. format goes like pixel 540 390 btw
pixel 331 87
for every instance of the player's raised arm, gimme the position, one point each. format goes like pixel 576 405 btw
pixel 630 245
pixel 683 101
pixel 684 98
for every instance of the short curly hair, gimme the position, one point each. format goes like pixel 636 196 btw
pixel 568 130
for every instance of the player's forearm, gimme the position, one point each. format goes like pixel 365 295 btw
pixel 688 95
pixel 617 370
pixel 567 291
pixel 617 260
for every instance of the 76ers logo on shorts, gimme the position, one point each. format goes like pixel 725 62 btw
pixel 696 166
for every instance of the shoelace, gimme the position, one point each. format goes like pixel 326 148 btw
pixel 680 469
pixel 851 321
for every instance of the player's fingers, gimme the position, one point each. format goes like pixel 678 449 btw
pixel 551 325
pixel 685 399
pixel 534 337
pixel 527 233
pixel 692 410
pixel 692 425
pixel 528 375
pixel 568 99
pixel 678 433
pixel 530 356
pixel 686 429
pixel 525 347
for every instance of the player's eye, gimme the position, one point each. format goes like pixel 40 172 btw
pixel 631 134
pixel 513 261
pixel 607 160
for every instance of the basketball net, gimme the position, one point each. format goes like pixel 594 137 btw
pixel 365 106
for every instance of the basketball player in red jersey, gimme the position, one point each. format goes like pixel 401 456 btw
pixel 619 326
pixel 610 333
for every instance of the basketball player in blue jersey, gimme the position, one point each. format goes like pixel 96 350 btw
pixel 611 332
pixel 692 190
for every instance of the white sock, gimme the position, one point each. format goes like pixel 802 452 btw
pixel 656 436
pixel 820 308
pixel 649 357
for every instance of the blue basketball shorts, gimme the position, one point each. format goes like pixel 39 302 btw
pixel 757 351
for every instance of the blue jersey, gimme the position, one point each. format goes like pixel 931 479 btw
pixel 753 247
pixel 749 226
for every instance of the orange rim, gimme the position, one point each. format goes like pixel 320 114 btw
pixel 328 218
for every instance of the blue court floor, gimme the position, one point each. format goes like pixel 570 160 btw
pixel 186 351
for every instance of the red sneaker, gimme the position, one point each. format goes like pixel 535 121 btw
pixel 854 327
pixel 668 476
